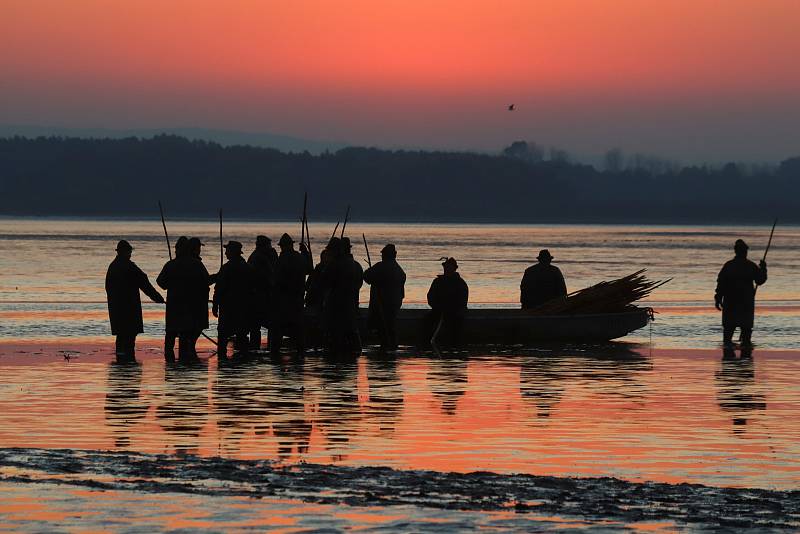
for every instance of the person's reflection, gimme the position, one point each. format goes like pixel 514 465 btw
pixel 736 388
pixel 385 393
pixel 448 381
pixel 338 412
pixel 183 410
pixel 240 402
pixel 124 406
pixel 541 383
pixel 287 406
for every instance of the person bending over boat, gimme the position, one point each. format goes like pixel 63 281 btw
pixel 233 300
pixel 542 282
pixel 447 297
pixel 736 293
pixel 124 280
pixel 387 282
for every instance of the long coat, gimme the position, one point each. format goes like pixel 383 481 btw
pixel 342 281
pixel 186 280
pixel 541 283
pixel 233 294
pixel 448 295
pixel 736 291
pixel 387 282
pixel 124 280
pixel 290 285
pixel 263 265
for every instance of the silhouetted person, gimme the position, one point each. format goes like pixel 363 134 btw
pixel 447 297
pixel 170 335
pixel 736 293
pixel 186 280
pixel 124 280
pixel 263 261
pixel 233 300
pixel 289 292
pixel 343 279
pixel 542 282
pixel 387 282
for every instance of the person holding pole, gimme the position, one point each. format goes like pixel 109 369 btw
pixel 163 280
pixel 387 282
pixel 736 292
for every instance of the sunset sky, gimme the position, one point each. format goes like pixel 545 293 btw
pixel 688 79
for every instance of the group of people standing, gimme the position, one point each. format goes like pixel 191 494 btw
pixel 288 295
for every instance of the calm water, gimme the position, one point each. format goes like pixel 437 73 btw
pixel 53 270
pixel 638 411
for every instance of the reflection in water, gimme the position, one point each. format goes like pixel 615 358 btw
pixel 287 404
pixel 541 383
pixel 338 409
pixel 183 408
pixel 736 388
pixel 448 381
pixel 241 393
pixel 124 406
pixel 385 393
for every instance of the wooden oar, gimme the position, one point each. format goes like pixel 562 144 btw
pixel 164 224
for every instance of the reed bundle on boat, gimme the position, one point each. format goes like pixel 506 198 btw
pixel 606 297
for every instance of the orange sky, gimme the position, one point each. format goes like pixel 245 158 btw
pixel 678 77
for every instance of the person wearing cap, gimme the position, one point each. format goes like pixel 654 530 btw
pixel 736 293
pixel 289 293
pixel 541 282
pixel 387 282
pixel 185 279
pixel 342 283
pixel 448 297
pixel 263 266
pixel 233 300
pixel 124 280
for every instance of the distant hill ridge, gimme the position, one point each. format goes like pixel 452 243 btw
pixel 75 176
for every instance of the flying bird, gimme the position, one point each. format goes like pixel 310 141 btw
pixel 511 107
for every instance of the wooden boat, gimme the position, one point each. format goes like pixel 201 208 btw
pixel 507 326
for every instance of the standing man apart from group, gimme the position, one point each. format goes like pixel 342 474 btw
pixel 736 293
pixel 387 282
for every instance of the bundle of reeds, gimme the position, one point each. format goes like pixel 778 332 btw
pixel 606 297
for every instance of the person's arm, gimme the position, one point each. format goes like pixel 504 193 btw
pixel 369 274
pixel 433 294
pixel 562 284
pixel 163 277
pixel 145 285
pixel 761 273
pixel 719 292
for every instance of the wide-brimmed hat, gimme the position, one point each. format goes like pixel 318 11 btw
pixel 195 242
pixel 263 240
pixel 123 245
pixel 286 239
pixel 544 254
pixel 233 246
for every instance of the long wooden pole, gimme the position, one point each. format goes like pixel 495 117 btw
pixel 769 243
pixel 335 228
pixel 221 253
pixel 303 220
pixel 164 224
pixel 346 217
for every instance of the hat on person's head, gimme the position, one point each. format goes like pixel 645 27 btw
pixel 544 254
pixel 450 262
pixel 195 242
pixel 123 245
pixel 263 241
pixel 346 244
pixel 286 239
pixel 740 245
pixel 389 250
pixel 233 246
pixel 182 240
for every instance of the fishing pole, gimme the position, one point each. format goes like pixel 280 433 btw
pixel 164 224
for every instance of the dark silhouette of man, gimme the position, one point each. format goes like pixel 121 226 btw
pixel 541 282
pixel 233 300
pixel 387 282
pixel 186 280
pixel 736 293
pixel 343 279
pixel 124 280
pixel 170 335
pixel 447 297
pixel 263 261
pixel 289 293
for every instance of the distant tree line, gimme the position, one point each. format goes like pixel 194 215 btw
pixel 525 183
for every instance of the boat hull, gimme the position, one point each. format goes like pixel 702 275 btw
pixel 515 327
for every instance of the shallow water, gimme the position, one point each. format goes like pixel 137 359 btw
pixel 54 269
